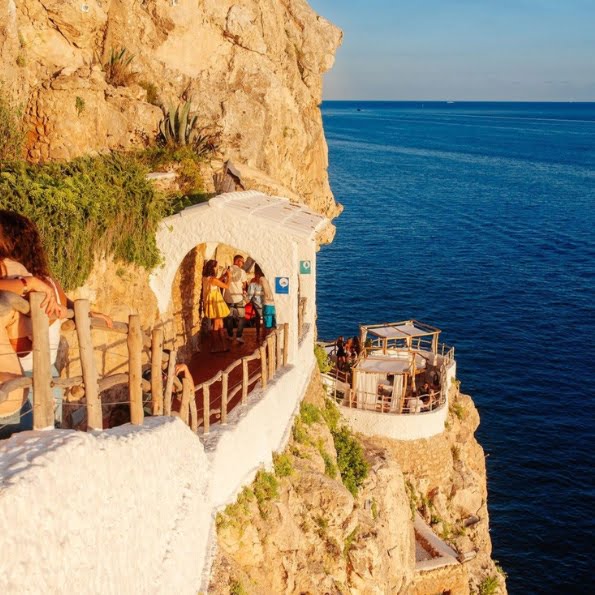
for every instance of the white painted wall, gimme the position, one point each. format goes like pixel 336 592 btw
pixel 132 509
pixel 401 426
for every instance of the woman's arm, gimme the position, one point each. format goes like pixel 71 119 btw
pixel 219 283
pixel 24 285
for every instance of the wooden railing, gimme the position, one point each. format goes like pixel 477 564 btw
pixel 271 355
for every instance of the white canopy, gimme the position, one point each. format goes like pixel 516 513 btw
pixel 384 365
pixel 400 331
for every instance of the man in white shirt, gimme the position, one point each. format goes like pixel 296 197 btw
pixel 234 298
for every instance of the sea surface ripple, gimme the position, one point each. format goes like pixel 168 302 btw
pixel 479 218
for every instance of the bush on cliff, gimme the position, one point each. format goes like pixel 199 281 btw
pixel 11 130
pixel 86 208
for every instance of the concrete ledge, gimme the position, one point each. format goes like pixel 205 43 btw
pixel 446 555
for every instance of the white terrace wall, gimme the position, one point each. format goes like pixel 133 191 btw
pixel 132 509
pixel 405 426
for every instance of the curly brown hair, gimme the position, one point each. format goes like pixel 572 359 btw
pixel 20 241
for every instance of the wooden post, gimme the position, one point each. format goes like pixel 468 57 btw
pixel 245 380
pixel 206 405
pixel 43 398
pixel 271 348
pixel 193 413
pixel 263 365
pixel 405 379
pixel 135 370
pixel 224 385
pixel 83 331
pixel 435 344
pixel 285 343
pixel 354 375
pixel 187 396
pixel 156 378
pixel 169 384
pixel 279 357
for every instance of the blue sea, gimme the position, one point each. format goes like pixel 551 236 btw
pixel 479 218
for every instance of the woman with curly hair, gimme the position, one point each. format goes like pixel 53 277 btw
pixel 213 305
pixel 24 268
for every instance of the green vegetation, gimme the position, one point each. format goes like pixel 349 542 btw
pixel 118 69
pixel 87 207
pixel 374 509
pixel 300 434
pixel 350 459
pixel 458 410
pixel 265 489
pixel 412 497
pixel 79 105
pixel 179 128
pixel 330 468
pixel 349 541
pixel 236 588
pixel 309 414
pixel 324 364
pixel 489 585
pixel 283 465
pixel 12 134
pixel 331 415
pixel 21 60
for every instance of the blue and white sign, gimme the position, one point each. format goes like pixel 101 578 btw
pixel 281 284
pixel 305 267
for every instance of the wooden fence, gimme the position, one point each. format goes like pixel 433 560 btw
pixel 272 355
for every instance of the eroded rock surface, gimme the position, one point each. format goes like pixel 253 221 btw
pixel 251 67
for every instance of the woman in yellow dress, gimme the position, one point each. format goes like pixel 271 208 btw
pixel 213 305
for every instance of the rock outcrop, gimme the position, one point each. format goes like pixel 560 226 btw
pixel 315 537
pixel 252 68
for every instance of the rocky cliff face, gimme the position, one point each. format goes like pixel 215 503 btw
pixel 314 537
pixel 252 68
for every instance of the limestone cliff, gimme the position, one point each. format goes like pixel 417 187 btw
pixel 314 537
pixel 252 68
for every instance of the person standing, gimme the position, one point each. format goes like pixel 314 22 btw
pixel 234 298
pixel 212 304
pixel 261 297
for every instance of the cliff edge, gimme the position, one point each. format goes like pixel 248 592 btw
pixel 251 68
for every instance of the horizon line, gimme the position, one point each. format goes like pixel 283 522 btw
pixel 459 100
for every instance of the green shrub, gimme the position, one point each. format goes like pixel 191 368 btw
pixel 331 415
pixel 12 134
pixel 349 541
pixel 309 414
pixel 350 459
pixel 87 207
pixel 489 585
pixel 283 465
pixel 458 410
pixel 79 105
pixel 324 364
pixel 300 434
pixel 118 69
pixel 330 468
pixel 265 488
pixel 236 588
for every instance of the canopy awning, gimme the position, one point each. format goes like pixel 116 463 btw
pixel 384 365
pixel 402 330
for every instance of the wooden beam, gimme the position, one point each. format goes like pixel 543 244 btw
pixel 89 369
pixel 135 348
pixel 263 365
pixel 244 381
pixel 206 405
pixel 156 379
pixel 224 388
pixel 285 343
pixel 169 383
pixel 43 397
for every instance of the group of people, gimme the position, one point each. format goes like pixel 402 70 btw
pixel 347 351
pixel 224 300
pixel 24 268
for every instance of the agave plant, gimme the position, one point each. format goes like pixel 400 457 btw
pixel 118 69
pixel 179 128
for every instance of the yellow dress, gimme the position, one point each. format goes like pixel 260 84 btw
pixel 215 306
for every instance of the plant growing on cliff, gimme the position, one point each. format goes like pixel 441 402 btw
pixel 489 585
pixel 118 68
pixel 85 208
pixel 79 105
pixel 180 128
pixel 265 489
pixel 324 365
pixel 353 467
pixel 12 134
pixel 309 414
pixel 282 465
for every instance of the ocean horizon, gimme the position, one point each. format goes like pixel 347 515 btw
pixel 478 217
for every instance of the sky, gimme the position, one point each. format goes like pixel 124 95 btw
pixel 476 50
